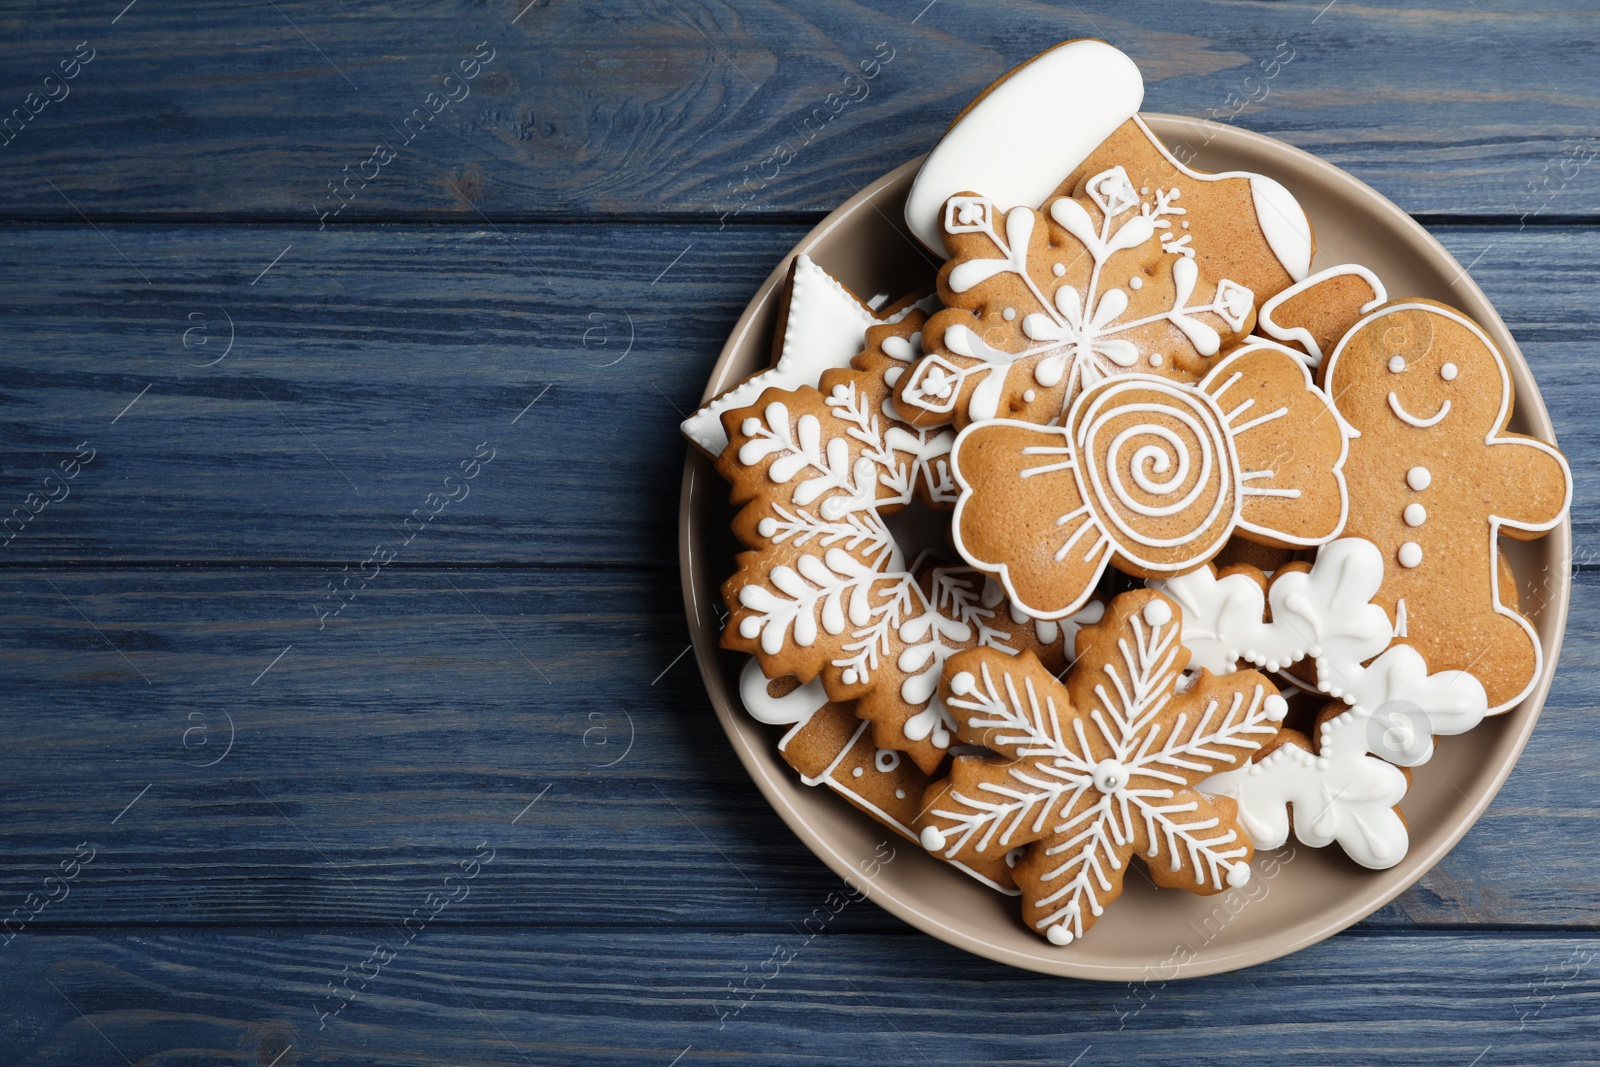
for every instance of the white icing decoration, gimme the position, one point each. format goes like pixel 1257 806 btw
pixel 1075 338
pixel 1284 224
pixel 825 329
pixel 1009 314
pixel 1160 460
pixel 1267 322
pixel 899 794
pixel 1327 613
pixel 1341 794
pixel 796 707
pixel 1420 423
pixel 1028 396
pixel 1410 555
pixel 1104 89
pixel 1137 780
pixel 886 760
pixel 1397 364
pixel 856 772
pixel 851 578
pixel 1415 514
pixel 1059 269
pixel 1419 478
pixel 1135 282
pixel 1448 372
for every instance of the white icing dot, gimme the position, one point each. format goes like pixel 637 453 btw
pixel 1276 707
pixel 1158 612
pixel 1448 372
pixel 750 628
pixel 963 683
pixel 1155 359
pixel 1029 396
pixel 1419 478
pixel 1396 364
pixel 1135 282
pixel 1059 269
pixel 1416 514
pixel 1144 190
pixel 1059 934
pixel 886 760
pixel 1110 776
pixel 848 677
pixel 750 426
pixel 1410 554
pixel 1008 314
pixel 932 839
pixel 1240 875
pixel 1186 224
pixel 857 772
pixel 899 794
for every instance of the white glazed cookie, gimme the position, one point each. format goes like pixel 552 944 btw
pixel 821 329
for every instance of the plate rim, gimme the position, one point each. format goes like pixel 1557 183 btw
pixel 764 767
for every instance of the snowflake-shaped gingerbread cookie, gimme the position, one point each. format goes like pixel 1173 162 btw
pixel 1090 773
pixel 1041 304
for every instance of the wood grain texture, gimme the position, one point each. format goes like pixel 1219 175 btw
pixel 598 108
pixel 419 722
pixel 560 997
pixel 370 362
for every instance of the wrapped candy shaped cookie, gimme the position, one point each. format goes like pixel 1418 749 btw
pixel 1152 476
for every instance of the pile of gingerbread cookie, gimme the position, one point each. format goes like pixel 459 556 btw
pixel 1133 537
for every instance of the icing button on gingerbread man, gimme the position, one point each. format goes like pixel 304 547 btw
pixel 1426 398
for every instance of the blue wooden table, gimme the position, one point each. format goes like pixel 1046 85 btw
pixel 346 712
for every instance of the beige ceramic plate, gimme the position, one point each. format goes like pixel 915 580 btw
pixel 1148 933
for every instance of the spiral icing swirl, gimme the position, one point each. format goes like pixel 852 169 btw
pixel 1157 468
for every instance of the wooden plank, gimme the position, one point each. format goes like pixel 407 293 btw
pixel 418 722
pixel 358 380
pixel 701 108
pixel 645 996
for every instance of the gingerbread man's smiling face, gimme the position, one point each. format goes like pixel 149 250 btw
pixel 1394 373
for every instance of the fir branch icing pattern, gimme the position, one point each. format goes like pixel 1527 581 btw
pixel 1076 334
pixel 1327 614
pixel 827 589
pixel 1088 773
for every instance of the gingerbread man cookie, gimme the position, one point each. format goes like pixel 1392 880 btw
pixel 1426 398
pixel 1090 773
